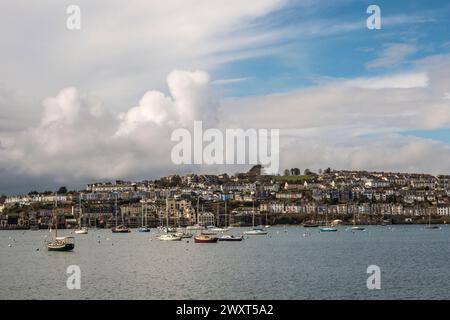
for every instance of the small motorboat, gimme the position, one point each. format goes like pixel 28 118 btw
pixel 183 235
pixel 255 232
pixel 120 229
pixel 309 224
pixel 432 227
pixel 169 237
pixel 230 238
pixel 357 228
pixel 144 229
pixel 328 229
pixel 83 230
pixel 61 244
pixel 203 238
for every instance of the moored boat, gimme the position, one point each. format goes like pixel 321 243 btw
pixel 230 238
pixel 83 230
pixel 327 229
pixel 257 232
pixel 309 224
pixel 62 244
pixel 120 229
pixel 169 237
pixel 203 238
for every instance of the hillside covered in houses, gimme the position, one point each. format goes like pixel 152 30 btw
pixel 368 197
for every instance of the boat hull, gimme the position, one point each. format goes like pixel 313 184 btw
pixel 231 239
pixel 255 233
pixel 64 247
pixel 120 229
pixel 205 239
pixel 169 238
pixel 327 229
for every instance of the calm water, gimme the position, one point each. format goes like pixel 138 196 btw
pixel 287 264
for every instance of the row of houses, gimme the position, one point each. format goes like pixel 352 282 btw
pixel 344 209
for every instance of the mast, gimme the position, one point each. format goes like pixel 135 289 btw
pixel 218 216
pixel 198 211
pixel 146 220
pixel 115 208
pixel 225 222
pixel 253 213
pixel 167 214
pixel 79 204
pixel 56 213
pixel 142 212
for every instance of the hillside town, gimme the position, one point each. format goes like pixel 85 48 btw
pixel 291 198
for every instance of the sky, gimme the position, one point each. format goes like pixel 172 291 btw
pixel 100 103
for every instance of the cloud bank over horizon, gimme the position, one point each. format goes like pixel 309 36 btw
pixel 343 124
pixel 101 104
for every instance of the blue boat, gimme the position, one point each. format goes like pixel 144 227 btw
pixel 327 229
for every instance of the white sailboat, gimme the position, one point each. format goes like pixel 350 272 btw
pixel 355 227
pixel 256 231
pixel 80 230
pixel 143 228
pixel 168 236
pixel 59 243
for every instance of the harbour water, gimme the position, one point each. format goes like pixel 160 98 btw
pixel 290 263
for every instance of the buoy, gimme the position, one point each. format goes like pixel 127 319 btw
pixel 37 249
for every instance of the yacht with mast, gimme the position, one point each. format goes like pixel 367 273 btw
pixel 122 228
pixel 167 236
pixel 143 227
pixel 80 230
pixel 355 227
pixel 327 227
pixel 430 226
pixel 256 231
pixel 60 243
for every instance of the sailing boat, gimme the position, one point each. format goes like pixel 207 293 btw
pixel 267 225
pixel 214 228
pixel 327 227
pixel 80 230
pixel 205 238
pixel 60 243
pixel 143 228
pixel 355 227
pixel 121 228
pixel 227 237
pixel 168 236
pixel 256 231
pixel 430 226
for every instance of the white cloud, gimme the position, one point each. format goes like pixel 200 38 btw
pixel 396 81
pixel 393 54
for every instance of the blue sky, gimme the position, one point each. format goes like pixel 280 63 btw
pixel 339 54
pixel 345 48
